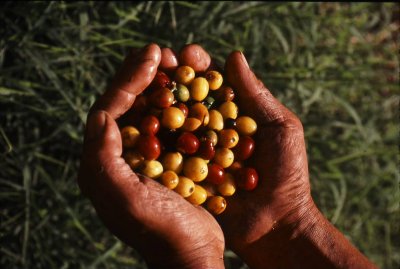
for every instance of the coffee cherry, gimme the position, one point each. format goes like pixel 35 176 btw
pixel 216 121
pixel 215 174
pixel 214 79
pixel 191 125
pixel 206 149
pixel 228 138
pixel 183 108
pixel 185 186
pixel 195 168
pixel 149 125
pixel 228 187
pixel 247 178
pixel 225 94
pixel 212 136
pixel 198 196
pixel 182 93
pixel 173 161
pixel 133 158
pixel 162 98
pixel 244 149
pixel 199 89
pixel 246 125
pixel 208 102
pixel 129 136
pixel 172 118
pixel 161 80
pixel 228 110
pixel 169 179
pixel 149 146
pixel 152 168
pixel 200 112
pixel 184 75
pixel 216 205
pixel 187 143
pixel 224 157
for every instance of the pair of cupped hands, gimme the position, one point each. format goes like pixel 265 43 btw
pixel 260 226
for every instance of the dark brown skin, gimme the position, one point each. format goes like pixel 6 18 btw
pixel 277 225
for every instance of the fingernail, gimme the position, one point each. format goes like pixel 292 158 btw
pixel 244 59
pixel 95 125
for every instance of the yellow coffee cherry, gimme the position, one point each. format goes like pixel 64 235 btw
pixel 246 125
pixel 173 161
pixel 214 79
pixel 172 118
pixel 184 75
pixel 195 168
pixel 185 186
pixel 228 187
pixel 228 110
pixel 216 204
pixel 152 168
pixel 200 112
pixel 210 134
pixel 224 157
pixel 216 121
pixel 228 138
pixel 133 158
pixel 130 136
pixel 199 89
pixel 198 196
pixel 191 124
pixel 169 179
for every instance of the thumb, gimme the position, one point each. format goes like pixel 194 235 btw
pixel 253 97
pixel 102 163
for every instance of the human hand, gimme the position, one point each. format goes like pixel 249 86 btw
pixel 277 225
pixel 167 230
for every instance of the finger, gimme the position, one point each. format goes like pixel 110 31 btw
pixel 101 158
pixel 169 61
pixel 194 56
pixel 136 73
pixel 253 97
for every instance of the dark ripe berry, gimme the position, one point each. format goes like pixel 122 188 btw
pixel 225 94
pixel 149 125
pixel 162 98
pixel 230 123
pixel 183 108
pixel 215 174
pixel 247 178
pixel 206 149
pixel 187 143
pixel 149 146
pixel 161 80
pixel 244 149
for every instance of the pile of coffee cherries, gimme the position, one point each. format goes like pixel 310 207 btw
pixel 187 133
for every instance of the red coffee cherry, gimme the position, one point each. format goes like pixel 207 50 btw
pixel 149 146
pixel 149 125
pixel 215 174
pixel 247 178
pixel 206 149
pixel 187 143
pixel 244 149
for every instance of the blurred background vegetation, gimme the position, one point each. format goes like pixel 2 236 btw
pixel 335 65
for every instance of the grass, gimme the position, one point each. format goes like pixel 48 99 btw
pixel 335 65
